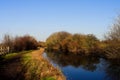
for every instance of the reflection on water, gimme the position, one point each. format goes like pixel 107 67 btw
pixel 113 70
pixel 76 67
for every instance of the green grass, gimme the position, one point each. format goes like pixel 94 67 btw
pixel 12 55
pixel 25 58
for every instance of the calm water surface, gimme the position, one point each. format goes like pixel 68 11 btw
pixel 76 67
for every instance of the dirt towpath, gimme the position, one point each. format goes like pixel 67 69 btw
pixel 46 69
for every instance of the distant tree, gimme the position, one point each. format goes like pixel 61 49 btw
pixel 65 44
pixel 41 44
pixel 8 41
pixel 54 41
pixel 84 43
pixel 18 44
pixel 25 43
pixel 92 43
pixel 76 43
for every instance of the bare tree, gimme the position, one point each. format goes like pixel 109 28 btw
pixel 8 41
pixel 114 33
pixel 113 40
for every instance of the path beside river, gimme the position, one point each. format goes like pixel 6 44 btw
pixel 28 65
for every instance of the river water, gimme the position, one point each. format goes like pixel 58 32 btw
pixel 76 67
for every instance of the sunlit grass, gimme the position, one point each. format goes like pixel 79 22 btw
pixel 13 55
pixel 38 69
pixel 10 55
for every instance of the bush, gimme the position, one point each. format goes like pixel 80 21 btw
pixel 54 41
pixel 25 43
pixel 77 43
pixel 112 50
pixel 41 44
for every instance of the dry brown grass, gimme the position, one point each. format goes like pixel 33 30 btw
pixel 39 68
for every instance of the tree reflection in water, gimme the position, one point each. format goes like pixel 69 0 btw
pixel 113 70
pixel 63 60
pixel 89 63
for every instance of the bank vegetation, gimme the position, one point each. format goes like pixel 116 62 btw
pixel 87 44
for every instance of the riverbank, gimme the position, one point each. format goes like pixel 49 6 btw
pixel 47 71
pixel 28 65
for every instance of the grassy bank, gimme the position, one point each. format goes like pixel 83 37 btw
pixel 28 65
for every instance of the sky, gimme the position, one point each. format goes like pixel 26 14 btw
pixel 41 18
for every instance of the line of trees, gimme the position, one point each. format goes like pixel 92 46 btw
pixel 66 42
pixel 20 43
pixel 87 44
pixel 76 43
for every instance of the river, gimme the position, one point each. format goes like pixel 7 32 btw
pixel 76 67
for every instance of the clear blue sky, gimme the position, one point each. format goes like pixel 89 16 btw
pixel 40 18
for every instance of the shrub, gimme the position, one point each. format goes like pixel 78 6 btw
pixel 25 43
pixel 54 41
pixel 77 43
